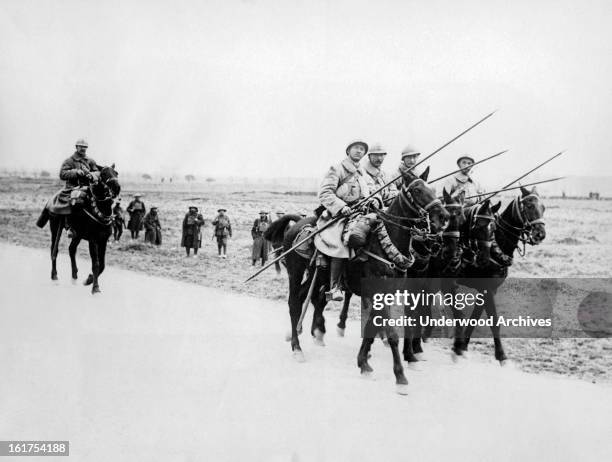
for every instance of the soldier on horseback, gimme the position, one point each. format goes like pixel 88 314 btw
pixel 410 156
pixel 376 177
pixel 343 186
pixel 462 184
pixel 78 171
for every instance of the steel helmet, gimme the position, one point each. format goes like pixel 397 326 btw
pixel 354 142
pixel 409 151
pixel 81 142
pixel 377 148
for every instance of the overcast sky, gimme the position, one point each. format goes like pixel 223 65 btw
pixel 278 88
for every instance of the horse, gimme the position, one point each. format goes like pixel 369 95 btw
pixel 521 221
pixel 399 240
pixel 443 267
pixel 276 238
pixel 93 222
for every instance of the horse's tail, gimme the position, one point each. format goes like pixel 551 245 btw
pixel 276 230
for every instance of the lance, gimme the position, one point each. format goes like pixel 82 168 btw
pixel 530 171
pixel 493 193
pixel 475 163
pixel 365 199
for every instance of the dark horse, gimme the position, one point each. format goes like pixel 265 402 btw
pixel 91 221
pixel 415 211
pixel 521 221
pixel 443 267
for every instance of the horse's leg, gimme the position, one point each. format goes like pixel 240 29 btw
pixel 318 320
pixel 369 333
pixel 102 256
pixel 344 313
pixel 408 350
pixel 297 295
pixel 72 248
pixel 56 226
pixel 491 309
pixel 95 265
pixel 400 379
pixel 476 313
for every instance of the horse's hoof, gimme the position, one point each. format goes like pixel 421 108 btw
pixel 340 331
pixel 288 336
pixel 454 356
pixel 503 362
pixel 425 339
pixel 298 355
pixel 318 338
pixel 420 356
pixel 95 290
pixel 401 388
pixel 88 281
pixel 385 342
pixel 367 373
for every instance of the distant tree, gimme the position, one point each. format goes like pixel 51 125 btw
pixel 146 177
pixel 189 178
pixel 210 180
pixel 45 174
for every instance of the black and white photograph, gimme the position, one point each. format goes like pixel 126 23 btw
pixel 295 231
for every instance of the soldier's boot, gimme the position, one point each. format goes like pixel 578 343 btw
pixel 43 218
pixel 335 271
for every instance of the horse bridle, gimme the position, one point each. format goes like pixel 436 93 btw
pixel 525 232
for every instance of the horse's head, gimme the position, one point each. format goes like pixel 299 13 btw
pixel 531 210
pixel 451 250
pixel 482 229
pixel 425 199
pixel 109 178
pixel 454 207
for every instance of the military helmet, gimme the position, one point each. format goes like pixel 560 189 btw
pixel 81 142
pixel 221 210
pixel 465 157
pixel 409 151
pixel 354 142
pixel 377 148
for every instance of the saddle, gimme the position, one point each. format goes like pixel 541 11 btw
pixel 65 199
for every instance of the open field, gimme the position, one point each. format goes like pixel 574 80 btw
pixel 578 244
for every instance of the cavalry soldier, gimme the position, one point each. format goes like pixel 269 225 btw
pixel 192 236
pixel 223 231
pixel 461 184
pixel 261 247
pixel 118 221
pixel 137 211
pixel 343 186
pixel 376 178
pixel 77 171
pixel 410 157
pixel 152 227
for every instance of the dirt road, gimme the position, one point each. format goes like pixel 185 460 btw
pixel 154 369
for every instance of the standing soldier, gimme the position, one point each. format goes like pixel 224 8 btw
pixel 152 227
pixel 192 236
pixel 118 221
pixel 137 211
pixel 375 177
pixel 461 184
pixel 223 231
pixel 261 247
pixel 410 156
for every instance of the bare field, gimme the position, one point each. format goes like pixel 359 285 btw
pixel 578 244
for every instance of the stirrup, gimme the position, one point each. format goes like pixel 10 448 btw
pixel 334 295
